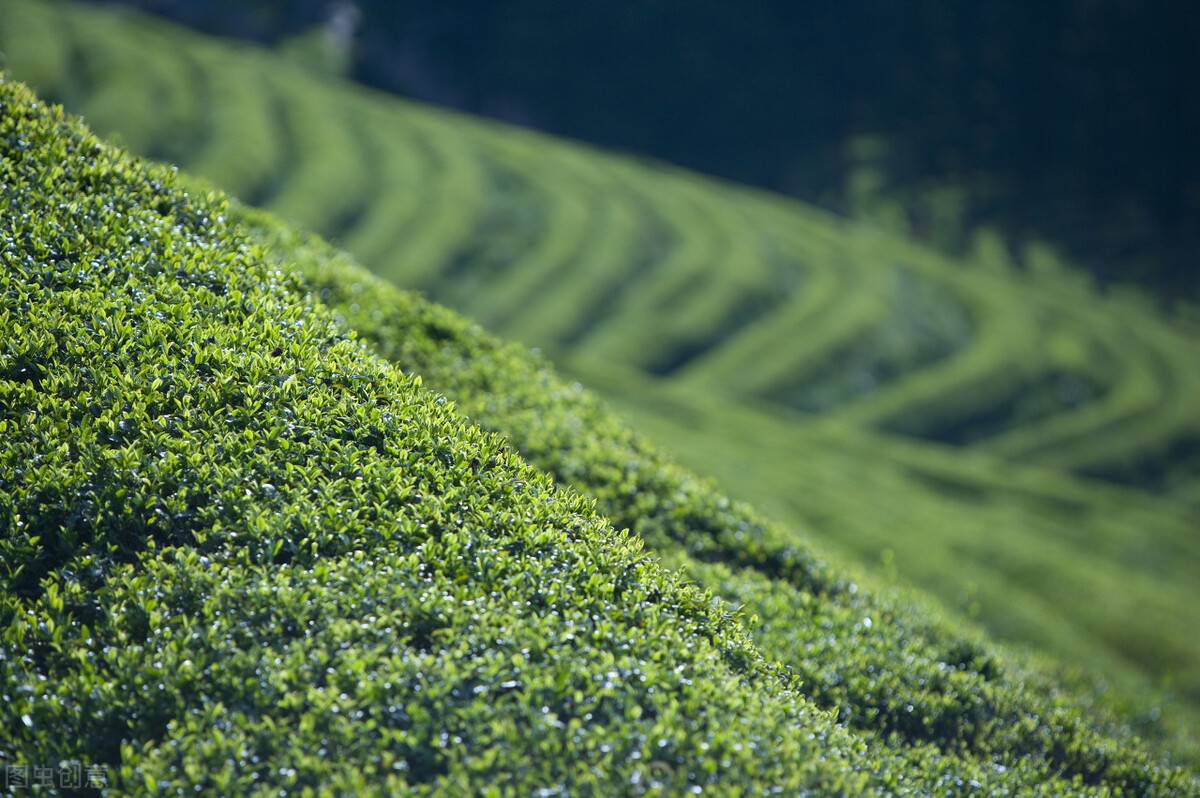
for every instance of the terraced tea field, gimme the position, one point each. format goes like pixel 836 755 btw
pixel 996 431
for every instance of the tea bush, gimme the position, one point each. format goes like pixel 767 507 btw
pixel 242 554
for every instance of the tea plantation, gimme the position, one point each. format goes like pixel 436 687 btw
pixel 245 552
pixel 246 548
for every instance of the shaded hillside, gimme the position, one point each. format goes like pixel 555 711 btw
pixel 1059 120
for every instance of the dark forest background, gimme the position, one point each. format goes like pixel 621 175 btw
pixel 1070 121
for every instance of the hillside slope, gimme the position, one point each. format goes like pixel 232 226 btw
pixel 242 553
pixel 1007 438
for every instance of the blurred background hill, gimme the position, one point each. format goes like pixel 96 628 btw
pixel 1066 121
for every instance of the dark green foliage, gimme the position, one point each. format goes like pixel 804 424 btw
pixel 1065 119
